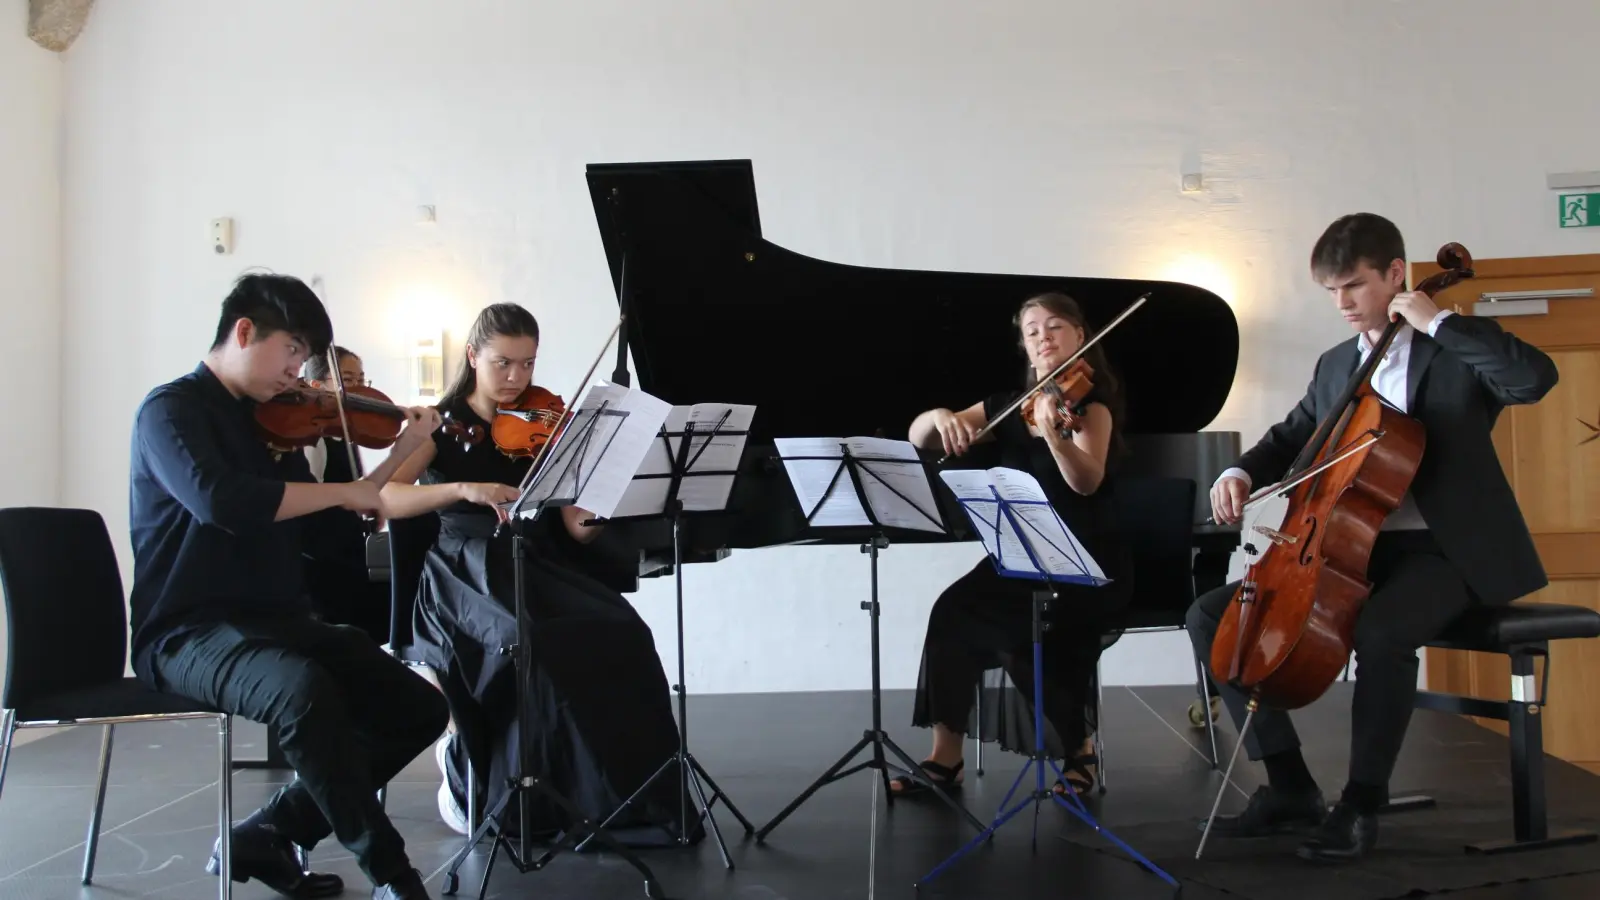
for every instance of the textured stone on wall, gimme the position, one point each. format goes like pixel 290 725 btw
pixel 55 24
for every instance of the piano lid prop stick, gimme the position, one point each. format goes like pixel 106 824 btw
pixel 1057 371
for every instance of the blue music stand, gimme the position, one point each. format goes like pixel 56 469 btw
pixel 1004 512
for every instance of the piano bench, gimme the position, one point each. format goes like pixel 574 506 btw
pixel 1523 632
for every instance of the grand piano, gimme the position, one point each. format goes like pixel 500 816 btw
pixel 714 312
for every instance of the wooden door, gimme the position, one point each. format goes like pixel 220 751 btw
pixel 1551 454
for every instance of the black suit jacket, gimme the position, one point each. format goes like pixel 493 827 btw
pixel 1457 382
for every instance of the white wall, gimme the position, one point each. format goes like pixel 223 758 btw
pixel 1023 136
pixel 30 257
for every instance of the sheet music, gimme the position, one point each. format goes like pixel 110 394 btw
pixel 722 453
pixel 887 467
pixel 607 452
pixel 1060 552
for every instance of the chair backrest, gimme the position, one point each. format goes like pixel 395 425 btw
pixel 1155 515
pixel 409 541
pixel 67 614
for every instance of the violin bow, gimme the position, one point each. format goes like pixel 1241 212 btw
pixel 344 418
pixel 1057 371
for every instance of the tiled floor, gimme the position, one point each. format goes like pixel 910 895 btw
pixel 161 809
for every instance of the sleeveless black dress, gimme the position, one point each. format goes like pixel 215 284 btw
pixel 599 711
pixel 983 621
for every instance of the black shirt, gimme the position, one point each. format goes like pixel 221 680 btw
pixel 1089 517
pixel 203 492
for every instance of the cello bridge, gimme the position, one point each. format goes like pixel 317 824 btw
pixel 1276 536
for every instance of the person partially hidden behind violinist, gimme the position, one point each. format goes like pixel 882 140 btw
pixel 600 706
pixel 334 541
pixel 1457 539
pixel 219 608
pixel 985 618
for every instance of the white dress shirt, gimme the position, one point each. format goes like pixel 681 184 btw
pixel 1389 380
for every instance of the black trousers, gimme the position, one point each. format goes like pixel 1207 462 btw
pixel 1415 594
pixel 984 620
pixel 348 716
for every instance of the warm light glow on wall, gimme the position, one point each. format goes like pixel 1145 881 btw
pixel 1205 272
pixel 419 317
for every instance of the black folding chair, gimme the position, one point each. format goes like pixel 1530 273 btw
pixel 68 649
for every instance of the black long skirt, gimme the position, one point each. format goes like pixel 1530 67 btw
pixel 598 714
pixel 980 633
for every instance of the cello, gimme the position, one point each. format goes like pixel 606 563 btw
pixel 1289 630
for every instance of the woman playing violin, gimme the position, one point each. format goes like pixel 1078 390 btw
pixel 982 621
pixel 600 696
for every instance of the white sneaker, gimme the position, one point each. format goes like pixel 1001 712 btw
pixel 441 753
pixel 451 812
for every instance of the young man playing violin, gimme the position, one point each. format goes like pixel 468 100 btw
pixel 1457 539
pixel 219 607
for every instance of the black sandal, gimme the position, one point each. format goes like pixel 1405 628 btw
pixel 942 775
pixel 1076 766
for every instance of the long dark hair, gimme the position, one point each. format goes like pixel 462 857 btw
pixel 499 320
pixel 1107 388
pixel 317 366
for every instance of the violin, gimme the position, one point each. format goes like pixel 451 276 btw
pixel 303 415
pixel 1288 632
pixel 1067 390
pixel 526 426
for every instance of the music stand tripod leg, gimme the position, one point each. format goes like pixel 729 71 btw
pixel 1038 760
pixel 523 783
pixel 876 737
pixel 690 772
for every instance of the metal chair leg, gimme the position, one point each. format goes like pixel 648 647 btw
pixel 8 728
pixel 1099 728
pixel 92 842
pixel 977 737
pixel 1205 712
pixel 225 807
pixel 472 799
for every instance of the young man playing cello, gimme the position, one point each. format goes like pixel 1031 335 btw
pixel 219 608
pixel 1457 539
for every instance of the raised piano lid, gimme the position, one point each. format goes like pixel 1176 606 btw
pixel 716 313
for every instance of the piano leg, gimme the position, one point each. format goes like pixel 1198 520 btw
pixel 875 737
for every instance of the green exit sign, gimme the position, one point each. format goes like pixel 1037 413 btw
pixel 1579 210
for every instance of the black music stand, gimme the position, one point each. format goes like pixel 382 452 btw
pixel 1041 551
pixel 553 474
pixel 690 771
pixel 875 737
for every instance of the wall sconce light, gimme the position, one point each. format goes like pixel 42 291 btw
pixel 1191 183
pixel 427 368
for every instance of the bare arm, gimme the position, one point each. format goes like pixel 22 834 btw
pixel 404 498
pixel 574 517
pixel 1082 457
pixel 948 430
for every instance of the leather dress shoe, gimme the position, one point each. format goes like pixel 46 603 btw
pixel 262 853
pixel 406 887
pixel 1346 835
pixel 1272 811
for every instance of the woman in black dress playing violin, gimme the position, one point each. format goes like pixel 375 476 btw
pixel 982 621
pixel 600 704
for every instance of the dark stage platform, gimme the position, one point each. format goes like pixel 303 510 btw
pixel 764 749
